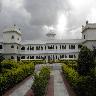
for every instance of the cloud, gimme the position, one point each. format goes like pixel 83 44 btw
pixel 34 17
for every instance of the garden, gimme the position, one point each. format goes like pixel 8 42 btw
pixel 12 72
pixel 81 74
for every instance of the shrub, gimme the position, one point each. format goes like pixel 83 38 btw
pixel 83 85
pixel 40 82
pixel 14 76
pixel 8 64
pixel 34 61
pixel 71 74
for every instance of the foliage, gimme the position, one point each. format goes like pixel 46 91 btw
pixel 41 81
pixel 8 64
pixel 83 85
pixel 71 74
pixel 85 61
pixel 14 75
pixel 71 63
pixel 35 61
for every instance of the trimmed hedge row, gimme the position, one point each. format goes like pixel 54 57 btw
pixel 41 81
pixel 71 75
pixel 83 85
pixel 34 61
pixel 14 76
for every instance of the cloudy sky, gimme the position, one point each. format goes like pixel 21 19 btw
pixel 36 17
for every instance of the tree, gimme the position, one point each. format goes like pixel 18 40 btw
pixel 1 59
pixel 85 61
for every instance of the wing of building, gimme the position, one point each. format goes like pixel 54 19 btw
pixel 12 46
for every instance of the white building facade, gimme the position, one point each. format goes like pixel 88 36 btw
pixel 12 46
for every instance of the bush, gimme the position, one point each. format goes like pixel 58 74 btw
pixel 34 61
pixel 71 75
pixel 8 64
pixel 14 76
pixel 83 85
pixel 41 81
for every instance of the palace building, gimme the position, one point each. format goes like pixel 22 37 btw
pixel 12 46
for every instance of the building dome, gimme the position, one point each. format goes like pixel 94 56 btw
pixel 12 29
pixel 51 34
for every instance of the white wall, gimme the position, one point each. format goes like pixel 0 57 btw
pixel 7 37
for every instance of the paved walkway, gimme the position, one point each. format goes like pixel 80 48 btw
pixel 59 86
pixel 21 90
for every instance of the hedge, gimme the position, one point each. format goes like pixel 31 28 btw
pixel 34 61
pixel 14 76
pixel 41 81
pixel 9 64
pixel 83 85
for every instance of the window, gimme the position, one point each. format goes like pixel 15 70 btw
pixel 28 57
pixel 37 57
pixel 79 46
pixel 65 56
pixel 56 56
pixel 37 47
pixel 60 46
pixel 17 47
pixel 28 48
pixel 31 57
pixel 31 48
pixel 41 48
pixel 70 56
pixel 12 37
pixel 45 47
pixel 63 46
pixel 1 47
pixel 71 46
pixel 12 46
pixel 23 48
pixel 56 47
pixel 84 36
pixel 22 57
pixel 74 56
pixel 12 57
pixel 51 47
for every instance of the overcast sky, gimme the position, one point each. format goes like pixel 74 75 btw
pixel 36 17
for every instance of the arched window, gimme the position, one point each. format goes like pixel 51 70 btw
pixel 12 57
pixel 12 46
pixel 22 57
pixel 23 48
pixel 12 37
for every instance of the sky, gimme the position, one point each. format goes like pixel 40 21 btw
pixel 36 17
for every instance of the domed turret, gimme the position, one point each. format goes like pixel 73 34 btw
pixel 51 34
pixel 12 35
pixel 12 29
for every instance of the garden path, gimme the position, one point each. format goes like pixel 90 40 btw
pixel 21 91
pixel 59 86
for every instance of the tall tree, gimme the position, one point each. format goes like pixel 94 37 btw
pixel 85 61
